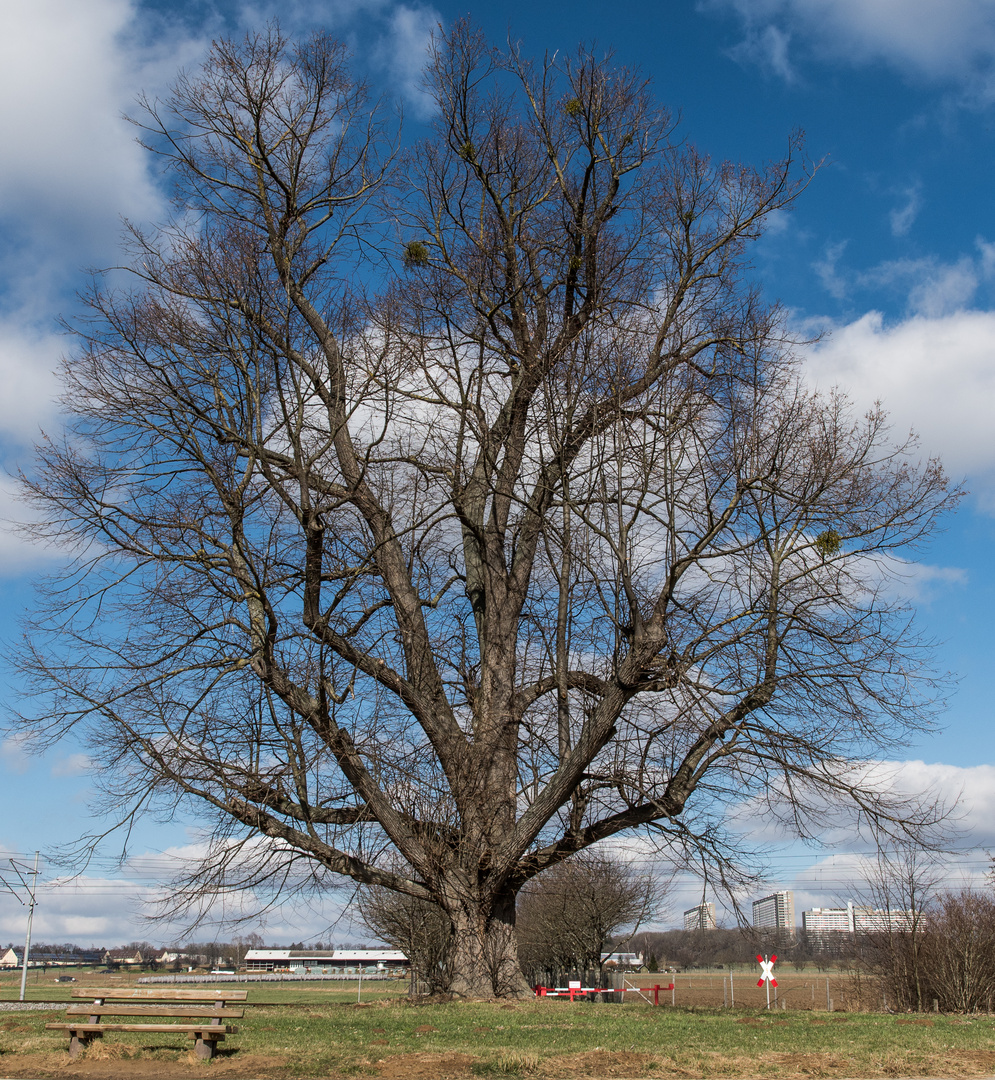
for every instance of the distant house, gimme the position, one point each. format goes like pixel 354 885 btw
pixel 174 956
pixel 12 959
pixel 126 957
pixel 622 959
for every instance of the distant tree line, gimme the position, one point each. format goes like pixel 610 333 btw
pixel 690 949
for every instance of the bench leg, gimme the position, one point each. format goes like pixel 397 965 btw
pixel 204 1048
pixel 77 1043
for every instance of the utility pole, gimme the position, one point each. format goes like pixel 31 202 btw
pixel 29 888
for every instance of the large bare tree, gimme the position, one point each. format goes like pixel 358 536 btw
pixel 435 516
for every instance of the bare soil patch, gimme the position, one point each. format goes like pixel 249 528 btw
pixel 601 1063
pixel 426 1067
pixel 119 1064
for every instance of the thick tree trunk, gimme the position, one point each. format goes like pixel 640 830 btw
pixel 484 951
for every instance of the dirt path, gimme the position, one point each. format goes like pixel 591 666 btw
pixel 590 1065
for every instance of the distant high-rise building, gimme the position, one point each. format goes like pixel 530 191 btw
pixel 855 920
pixel 877 921
pixel 701 917
pixel 826 920
pixel 776 911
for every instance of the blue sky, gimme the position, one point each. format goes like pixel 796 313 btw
pixel 889 256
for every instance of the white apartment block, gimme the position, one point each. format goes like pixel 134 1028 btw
pixel 701 917
pixel 856 920
pixel 828 920
pixel 876 921
pixel 776 911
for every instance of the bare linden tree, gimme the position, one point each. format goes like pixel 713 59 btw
pixel 432 516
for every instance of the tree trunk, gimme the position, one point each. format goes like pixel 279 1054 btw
pixel 484 950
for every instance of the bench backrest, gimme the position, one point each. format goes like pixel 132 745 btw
pixel 149 993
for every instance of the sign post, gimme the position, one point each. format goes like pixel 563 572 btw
pixel 767 974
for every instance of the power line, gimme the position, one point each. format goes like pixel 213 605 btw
pixel 16 869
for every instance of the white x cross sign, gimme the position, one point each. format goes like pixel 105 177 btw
pixel 766 971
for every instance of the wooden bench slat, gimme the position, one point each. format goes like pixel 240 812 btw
pixel 144 992
pixel 211 1031
pixel 153 1010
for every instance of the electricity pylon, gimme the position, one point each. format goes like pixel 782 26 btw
pixel 29 889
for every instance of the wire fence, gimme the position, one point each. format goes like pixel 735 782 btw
pixel 261 976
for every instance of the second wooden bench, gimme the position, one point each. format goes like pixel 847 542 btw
pixel 181 1004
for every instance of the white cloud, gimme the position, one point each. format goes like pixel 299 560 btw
pixel 920 583
pixel 72 165
pixel 73 169
pixel 840 866
pixel 20 551
pixel 973 786
pixel 934 374
pixel 393 37
pixel 73 765
pixel 403 53
pixel 109 910
pixel 767 46
pixel 28 361
pixel 14 755
pixel 938 39
pixel 903 217
pixel 930 287
pixel 826 269
pixel 944 289
pixel 966 792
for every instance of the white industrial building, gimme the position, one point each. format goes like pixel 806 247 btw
pixel 326 961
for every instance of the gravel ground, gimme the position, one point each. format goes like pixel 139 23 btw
pixel 24 1006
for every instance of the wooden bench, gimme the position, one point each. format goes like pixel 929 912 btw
pixel 182 1004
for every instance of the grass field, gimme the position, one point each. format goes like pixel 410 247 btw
pixel 393 1039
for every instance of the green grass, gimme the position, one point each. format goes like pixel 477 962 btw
pixel 539 1038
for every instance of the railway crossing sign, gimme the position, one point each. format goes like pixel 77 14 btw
pixel 767 975
pixel 766 970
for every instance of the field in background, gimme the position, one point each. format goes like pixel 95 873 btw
pixel 795 990
pixel 697 989
pixel 44 986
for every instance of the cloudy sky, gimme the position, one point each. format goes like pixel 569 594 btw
pixel 889 259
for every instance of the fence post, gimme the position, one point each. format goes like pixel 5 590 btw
pixel 829 1000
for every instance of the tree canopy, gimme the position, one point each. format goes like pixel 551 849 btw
pixel 436 515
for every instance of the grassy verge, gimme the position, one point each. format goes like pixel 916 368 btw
pixel 398 1040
